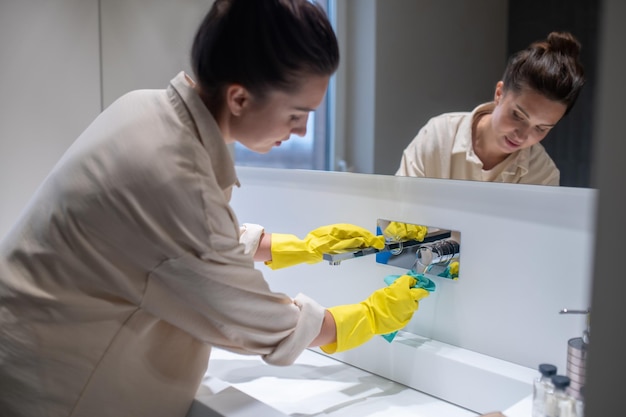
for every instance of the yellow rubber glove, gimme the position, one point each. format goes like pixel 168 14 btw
pixel 386 310
pixel 454 269
pixel 288 250
pixel 400 232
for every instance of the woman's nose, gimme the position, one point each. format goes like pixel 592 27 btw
pixel 521 132
pixel 300 129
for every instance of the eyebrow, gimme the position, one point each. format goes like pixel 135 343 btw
pixel 526 114
pixel 304 109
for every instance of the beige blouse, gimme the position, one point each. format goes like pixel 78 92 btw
pixel 443 149
pixel 126 267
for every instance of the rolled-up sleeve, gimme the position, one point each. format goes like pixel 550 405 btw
pixel 232 307
pixel 250 235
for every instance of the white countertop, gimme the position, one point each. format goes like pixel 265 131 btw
pixel 523 408
pixel 241 386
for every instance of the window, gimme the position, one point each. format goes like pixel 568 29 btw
pixel 309 152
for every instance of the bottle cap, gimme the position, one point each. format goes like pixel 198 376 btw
pixel 547 369
pixel 560 381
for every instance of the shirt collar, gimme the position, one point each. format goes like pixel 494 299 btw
pixel 194 113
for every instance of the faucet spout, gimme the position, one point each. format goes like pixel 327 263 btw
pixel 336 258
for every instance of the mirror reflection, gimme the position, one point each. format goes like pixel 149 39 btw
pixel 407 62
pixel 430 61
pixel 402 63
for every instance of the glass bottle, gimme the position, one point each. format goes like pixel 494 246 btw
pixel 580 403
pixel 558 402
pixel 541 386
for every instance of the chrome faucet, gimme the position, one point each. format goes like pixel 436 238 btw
pixel 336 258
pixel 437 253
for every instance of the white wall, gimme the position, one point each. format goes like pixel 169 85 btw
pixel 65 60
pixel 145 43
pixel 50 83
pixel 526 253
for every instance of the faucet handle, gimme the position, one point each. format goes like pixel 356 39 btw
pixel 568 311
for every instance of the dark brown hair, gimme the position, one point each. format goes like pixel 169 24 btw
pixel 262 45
pixel 551 67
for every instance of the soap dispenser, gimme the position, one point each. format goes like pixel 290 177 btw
pixel 577 348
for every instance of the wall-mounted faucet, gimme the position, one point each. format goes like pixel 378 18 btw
pixel 431 253
pixel 440 252
pixel 337 257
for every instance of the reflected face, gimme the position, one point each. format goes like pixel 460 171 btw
pixel 264 124
pixel 522 119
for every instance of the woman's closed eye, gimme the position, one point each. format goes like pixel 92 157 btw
pixel 517 116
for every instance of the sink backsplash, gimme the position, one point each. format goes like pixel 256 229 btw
pixel 527 253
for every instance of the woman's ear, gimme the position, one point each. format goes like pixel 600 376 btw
pixel 499 92
pixel 237 99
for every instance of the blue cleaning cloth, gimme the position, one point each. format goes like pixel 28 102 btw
pixel 422 282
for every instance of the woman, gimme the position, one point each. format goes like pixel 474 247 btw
pixel 126 267
pixel 500 141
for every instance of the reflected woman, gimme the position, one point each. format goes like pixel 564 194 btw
pixel 499 141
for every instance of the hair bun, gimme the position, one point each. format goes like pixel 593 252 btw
pixel 565 43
